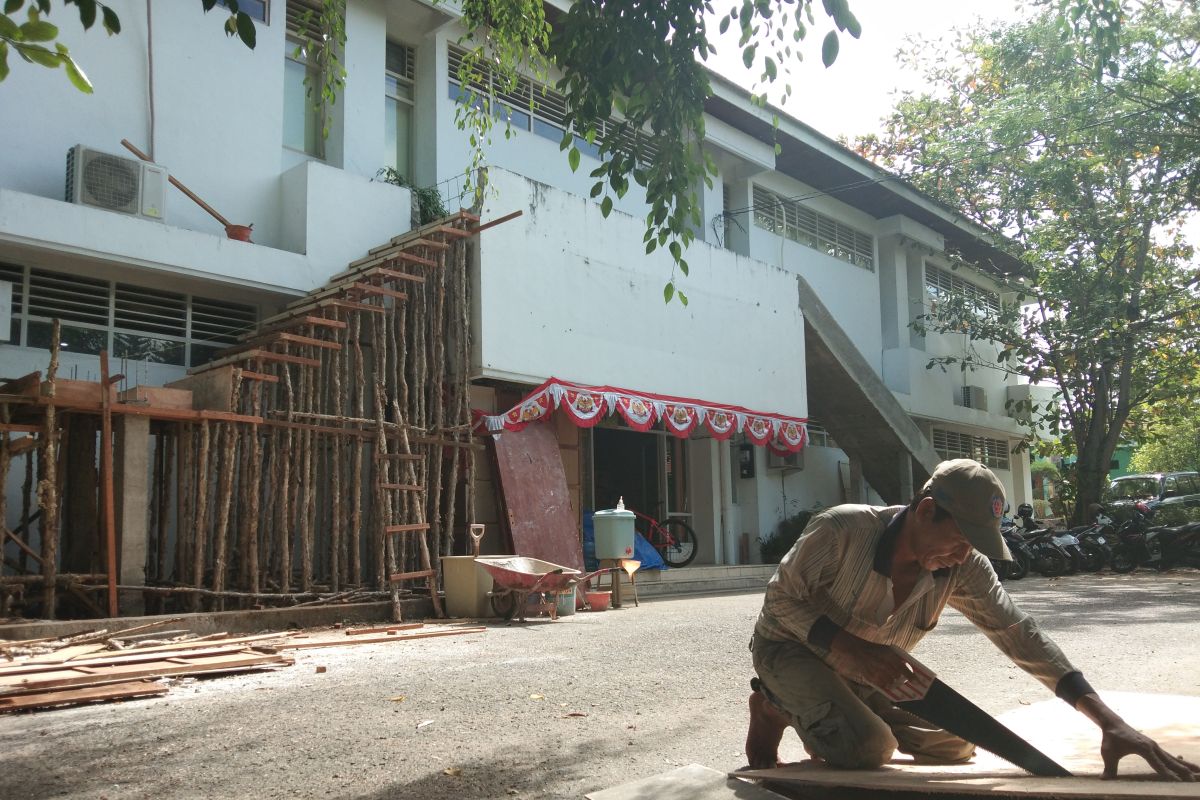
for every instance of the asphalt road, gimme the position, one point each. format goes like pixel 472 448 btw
pixel 545 709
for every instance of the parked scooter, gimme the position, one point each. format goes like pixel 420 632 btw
pixel 1138 544
pixel 1047 557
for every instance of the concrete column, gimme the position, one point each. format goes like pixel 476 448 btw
pixel 856 491
pixel 131 489
pixel 728 531
pixel 906 477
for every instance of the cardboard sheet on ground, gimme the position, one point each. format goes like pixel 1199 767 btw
pixel 536 500
pixel 1053 727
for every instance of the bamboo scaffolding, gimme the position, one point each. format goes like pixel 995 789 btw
pixel 48 485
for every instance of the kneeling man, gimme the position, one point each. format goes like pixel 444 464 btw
pixel 861 579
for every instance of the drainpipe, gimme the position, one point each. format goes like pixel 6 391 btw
pixel 728 537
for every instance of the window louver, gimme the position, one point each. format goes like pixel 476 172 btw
pixel 219 321
pixel 304 19
pixel 401 60
pixel 987 451
pixel 16 276
pixel 150 311
pixel 941 283
pixel 70 298
pixel 788 218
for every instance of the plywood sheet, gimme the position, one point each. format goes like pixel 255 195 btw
pixel 536 500
pixel 693 782
pixel 1054 728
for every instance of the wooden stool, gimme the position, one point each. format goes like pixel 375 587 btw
pixel 629 566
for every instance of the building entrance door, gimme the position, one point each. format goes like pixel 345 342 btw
pixel 650 470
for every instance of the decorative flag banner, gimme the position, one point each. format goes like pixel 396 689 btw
pixel 587 405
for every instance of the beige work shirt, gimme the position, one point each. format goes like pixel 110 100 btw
pixel 838 576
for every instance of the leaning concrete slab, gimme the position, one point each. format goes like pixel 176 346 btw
pixel 1053 727
pixel 693 782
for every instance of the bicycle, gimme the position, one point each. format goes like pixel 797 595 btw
pixel 673 538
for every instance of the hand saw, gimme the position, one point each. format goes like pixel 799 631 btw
pixel 933 701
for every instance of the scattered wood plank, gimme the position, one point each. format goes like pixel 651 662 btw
pixel 385 629
pixel 76 676
pixel 378 639
pixel 92 694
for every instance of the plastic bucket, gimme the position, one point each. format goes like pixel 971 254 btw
pixel 565 603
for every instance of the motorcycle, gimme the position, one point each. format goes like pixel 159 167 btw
pixel 1138 544
pixel 1047 557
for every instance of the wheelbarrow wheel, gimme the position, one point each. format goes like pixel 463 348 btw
pixel 504 604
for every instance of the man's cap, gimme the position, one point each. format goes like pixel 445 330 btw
pixel 974 497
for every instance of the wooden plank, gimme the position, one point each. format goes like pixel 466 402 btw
pixel 14 427
pixel 493 223
pixel 67 678
pixel 111 658
pixel 394 275
pixel 26 384
pixel 420 526
pixel 537 503
pixel 20 446
pixel 108 510
pixel 259 376
pixel 379 639
pixel 385 628
pixel 401 456
pixel 250 355
pixel 383 256
pixel 404 487
pixel 93 694
pixel 371 289
pixel 351 305
pixel 295 322
pixel 1065 735
pixel 159 396
pixel 288 338
pixel 408 576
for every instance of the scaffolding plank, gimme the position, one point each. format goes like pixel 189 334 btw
pixel 410 528
pixel 408 576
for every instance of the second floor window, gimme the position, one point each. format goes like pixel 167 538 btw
pixel 398 109
pixel 941 284
pixel 303 115
pixel 793 220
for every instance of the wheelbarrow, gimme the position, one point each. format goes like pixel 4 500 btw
pixel 514 578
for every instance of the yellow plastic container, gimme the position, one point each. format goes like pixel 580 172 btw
pixel 467 585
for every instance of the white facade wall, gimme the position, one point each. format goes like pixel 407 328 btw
pixel 560 291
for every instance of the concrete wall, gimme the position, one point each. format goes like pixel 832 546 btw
pixel 564 292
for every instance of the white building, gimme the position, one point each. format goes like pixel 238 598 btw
pixel 800 296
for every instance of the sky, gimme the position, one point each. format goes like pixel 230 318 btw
pixel 850 97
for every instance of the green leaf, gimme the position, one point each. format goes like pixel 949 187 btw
pixel 39 55
pixel 748 56
pixel 650 245
pixel 245 29
pixel 683 299
pixel 829 49
pixel 76 75
pixel 606 207
pixel 38 31
pixel 597 188
pixel 724 26
pixel 112 23
pixel 9 29
pixel 676 251
pixel 209 5
pixel 3 60
pixel 769 66
pixel 668 292
pixel 573 158
pixel 853 26
pixel 87 12
pixel 11 6
pixel 685 269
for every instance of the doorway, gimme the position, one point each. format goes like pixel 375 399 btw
pixel 650 470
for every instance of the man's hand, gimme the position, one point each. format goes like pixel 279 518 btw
pixel 866 662
pixel 1120 740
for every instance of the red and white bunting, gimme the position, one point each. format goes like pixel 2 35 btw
pixel 587 405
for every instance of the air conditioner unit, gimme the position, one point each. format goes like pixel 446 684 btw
pixel 115 183
pixel 974 397
pixel 788 461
